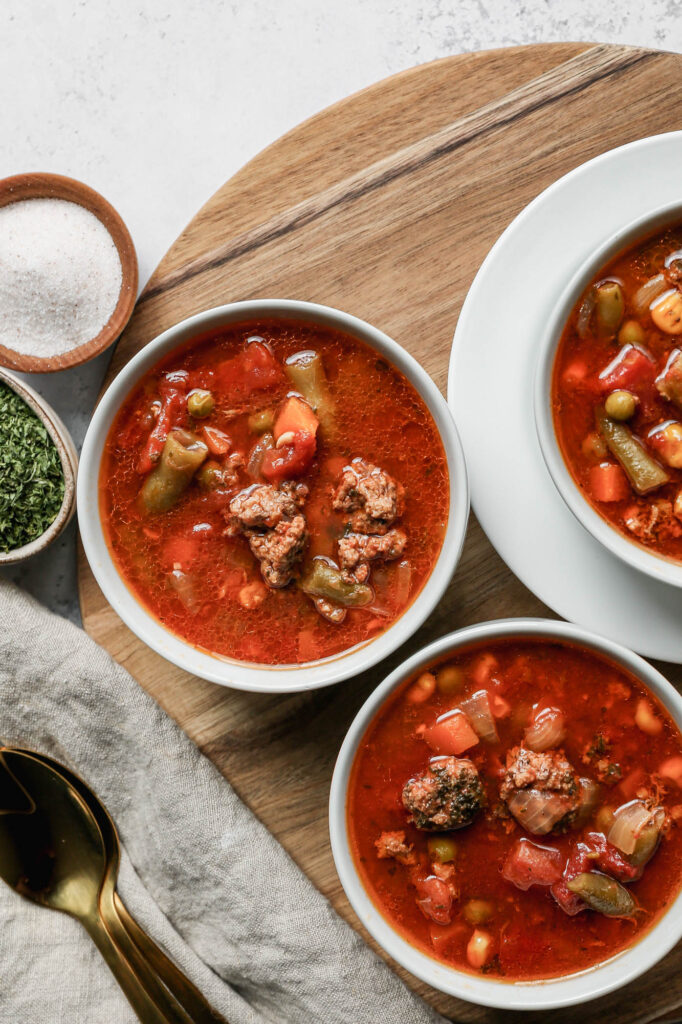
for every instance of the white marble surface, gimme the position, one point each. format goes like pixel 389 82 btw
pixel 156 103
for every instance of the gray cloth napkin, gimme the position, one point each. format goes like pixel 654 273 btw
pixel 199 872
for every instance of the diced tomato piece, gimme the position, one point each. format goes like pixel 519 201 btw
pixel 575 373
pixel 291 460
pixel 296 417
pixel 608 482
pixel 217 442
pixel 569 902
pixel 172 414
pixel 530 864
pixel 609 859
pixel 261 369
pixel 452 734
pixel 434 899
pixel 631 369
pixel 671 768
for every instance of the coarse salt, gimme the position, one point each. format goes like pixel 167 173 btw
pixel 60 276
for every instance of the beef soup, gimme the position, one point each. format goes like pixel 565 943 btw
pixel 515 810
pixel 617 393
pixel 275 492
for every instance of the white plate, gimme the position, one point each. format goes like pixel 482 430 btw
pixel 490 390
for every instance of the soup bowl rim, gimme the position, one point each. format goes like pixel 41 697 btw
pixel 552 993
pixel 659 567
pixel 246 675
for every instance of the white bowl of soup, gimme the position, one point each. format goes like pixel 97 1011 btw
pixel 608 395
pixel 273 495
pixel 505 815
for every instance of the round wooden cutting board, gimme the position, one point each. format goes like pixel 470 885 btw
pixel 384 206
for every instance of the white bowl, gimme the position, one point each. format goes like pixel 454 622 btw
pixel 228 672
pixel 535 995
pixel 661 568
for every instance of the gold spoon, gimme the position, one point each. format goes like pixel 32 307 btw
pixel 53 854
pixel 120 923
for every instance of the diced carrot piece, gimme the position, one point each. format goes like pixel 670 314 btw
pixel 181 550
pixel 608 482
pixel 671 768
pixel 217 442
pixel 452 734
pixel 646 720
pixel 422 689
pixel 444 937
pixel 295 417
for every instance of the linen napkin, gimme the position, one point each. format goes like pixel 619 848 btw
pixel 199 871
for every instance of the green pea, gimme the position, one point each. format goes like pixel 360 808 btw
pixel 620 405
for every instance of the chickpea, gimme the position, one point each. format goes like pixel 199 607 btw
pixel 450 679
pixel 200 403
pixel 478 911
pixel 610 306
pixel 422 689
pixel 646 719
pixel 666 313
pixel 620 405
pixel 631 333
pixel 442 849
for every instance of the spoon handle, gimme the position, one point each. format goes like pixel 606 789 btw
pixel 200 1011
pixel 136 994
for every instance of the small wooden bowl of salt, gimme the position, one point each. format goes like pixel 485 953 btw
pixel 68 273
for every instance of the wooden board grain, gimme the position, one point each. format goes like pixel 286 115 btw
pixel 385 205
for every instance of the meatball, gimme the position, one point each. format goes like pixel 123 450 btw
pixel 279 549
pixel 263 506
pixel 371 495
pixel 541 790
pixel 271 521
pixel 392 844
pixel 446 796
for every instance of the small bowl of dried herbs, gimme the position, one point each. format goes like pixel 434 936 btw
pixel 38 467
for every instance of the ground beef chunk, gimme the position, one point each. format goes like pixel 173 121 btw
pixel 669 383
pixel 659 519
pixel 279 549
pixel 271 521
pixel 446 796
pixel 392 844
pixel 264 506
pixel 541 790
pixel 356 550
pixel 371 495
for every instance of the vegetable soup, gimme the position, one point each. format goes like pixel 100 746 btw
pixel 617 393
pixel 515 810
pixel 275 492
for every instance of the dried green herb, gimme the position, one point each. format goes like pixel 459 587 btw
pixel 31 475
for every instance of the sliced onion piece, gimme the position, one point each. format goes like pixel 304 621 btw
pixel 403 582
pixel 538 811
pixel 630 821
pixel 647 292
pixel 477 710
pixel 547 730
pixel 585 312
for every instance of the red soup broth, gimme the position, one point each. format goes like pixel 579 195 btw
pixel 183 565
pixel 527 935
pixel 634 354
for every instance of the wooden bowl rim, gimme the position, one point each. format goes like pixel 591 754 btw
pixel 69 460
pixel 41 185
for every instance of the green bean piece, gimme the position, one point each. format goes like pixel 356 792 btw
pixel 261 422
pixel 603 894
pixel 200 404
pixel 325 580
pixel 305 370
pixel 610 307
pixel 182 455
pixel 643 472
